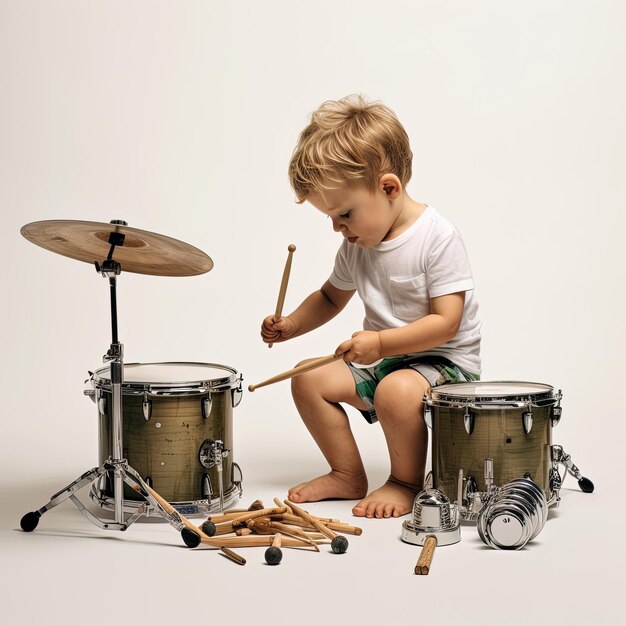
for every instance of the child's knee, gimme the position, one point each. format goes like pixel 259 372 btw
pixel 398 395
pixel 304 383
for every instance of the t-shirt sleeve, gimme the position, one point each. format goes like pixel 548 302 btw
pixel 448 268
pixel 341 276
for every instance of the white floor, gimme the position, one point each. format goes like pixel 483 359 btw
pixel 69 571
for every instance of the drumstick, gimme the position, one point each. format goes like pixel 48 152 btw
pixel 339 543
pixel 279 502
pixel 193 540
pixel 233 556
pixel 338 526
pixel 426 555
pixel 300 369
pixel 283 287
pixel 171 511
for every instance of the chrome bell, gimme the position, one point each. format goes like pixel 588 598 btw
pixel 433 514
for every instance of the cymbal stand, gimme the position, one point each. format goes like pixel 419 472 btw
pixel 116 465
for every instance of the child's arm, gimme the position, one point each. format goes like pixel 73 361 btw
pixel 317 309
pixel 435 329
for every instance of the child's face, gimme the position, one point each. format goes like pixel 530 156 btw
pixel 362 217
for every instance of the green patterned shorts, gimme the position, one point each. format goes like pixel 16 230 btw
pixel 435 369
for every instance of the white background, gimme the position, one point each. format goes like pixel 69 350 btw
pixel 180 118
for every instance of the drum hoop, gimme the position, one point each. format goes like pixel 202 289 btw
pixel 192 387
pixel 546 397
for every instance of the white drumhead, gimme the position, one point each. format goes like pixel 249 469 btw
pixel 498 389
pixel 175 373
pixel 169 374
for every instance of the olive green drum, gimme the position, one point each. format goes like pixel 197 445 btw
pixel 177 432
pixel 507 421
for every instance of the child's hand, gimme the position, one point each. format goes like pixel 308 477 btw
pixel 275 332
pixel 364 347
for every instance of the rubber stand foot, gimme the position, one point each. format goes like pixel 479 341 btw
pixel 29 521
pixel 586 485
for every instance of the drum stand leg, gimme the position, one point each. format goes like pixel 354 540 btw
pixel 120 470
pixel 116 465
pixel 556 481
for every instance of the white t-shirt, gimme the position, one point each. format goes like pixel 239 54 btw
pixel 397 278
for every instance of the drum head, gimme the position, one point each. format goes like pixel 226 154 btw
pixel 170 375
pixel 490 390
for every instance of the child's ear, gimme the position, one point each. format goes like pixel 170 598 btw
pixel 391 185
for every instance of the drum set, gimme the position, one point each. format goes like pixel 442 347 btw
pixel 165 429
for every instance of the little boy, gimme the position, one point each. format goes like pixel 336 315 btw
pixel 409 266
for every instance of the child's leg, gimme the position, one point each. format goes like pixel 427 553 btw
pixel 399 406
pixel 317 395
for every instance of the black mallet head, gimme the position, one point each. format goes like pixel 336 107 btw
pixel 339 544
pixel 273 556
pixel 191 539
pixel 208 528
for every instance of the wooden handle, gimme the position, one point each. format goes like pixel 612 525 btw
pixel 172 511
pixel 225 528
pixel 294 533
pixel 301 369
pixel 242 519
pixel 251 541
pixel 279 502
pixel 426 556
pixel 277 542
pixel 233 556
pixel 311 520
pixel 283 287
pixel 344 528
pixel 337 526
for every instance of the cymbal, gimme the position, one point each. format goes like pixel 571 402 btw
pixel 142 252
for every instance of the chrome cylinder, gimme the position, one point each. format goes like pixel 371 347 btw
pixel 513 515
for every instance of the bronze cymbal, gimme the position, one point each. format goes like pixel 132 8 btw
pixel 142 252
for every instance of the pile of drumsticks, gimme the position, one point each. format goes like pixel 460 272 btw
pixel 285 525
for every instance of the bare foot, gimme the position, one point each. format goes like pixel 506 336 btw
pixel 390 500
pixel 331 485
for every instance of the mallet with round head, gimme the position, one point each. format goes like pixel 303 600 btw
pixel 274 555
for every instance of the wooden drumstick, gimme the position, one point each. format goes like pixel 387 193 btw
pixel 279 502
pixel 172 512
pixel 426 556
pixel 338 526
pixel 339 543
pixel 193 540
pixel 283 287
pixel 233 556
pixel 300 369
pixel 242 519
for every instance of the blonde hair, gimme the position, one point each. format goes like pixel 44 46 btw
pixel 349 142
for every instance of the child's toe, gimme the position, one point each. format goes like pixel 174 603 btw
pixel 389 510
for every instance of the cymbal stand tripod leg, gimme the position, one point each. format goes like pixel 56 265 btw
pixel 30 520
